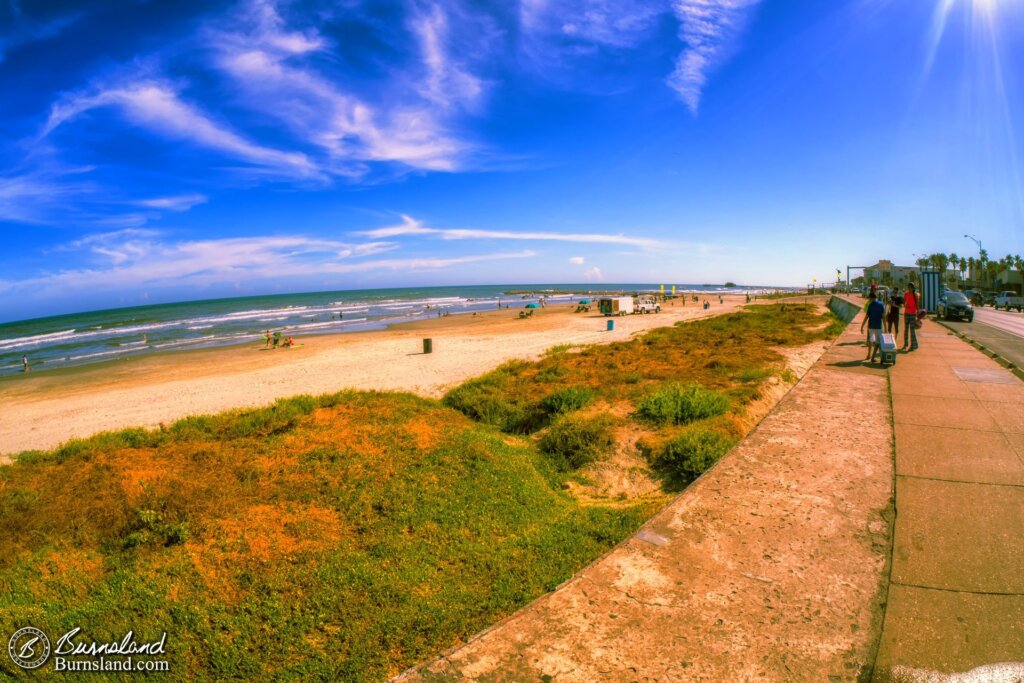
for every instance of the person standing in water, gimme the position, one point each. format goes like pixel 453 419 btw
pixel 24 363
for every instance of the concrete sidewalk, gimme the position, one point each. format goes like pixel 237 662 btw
pixel 956 596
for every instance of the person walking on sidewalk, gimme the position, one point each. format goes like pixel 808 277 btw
pixel 873 319
pixel 892 318
pixel 910 318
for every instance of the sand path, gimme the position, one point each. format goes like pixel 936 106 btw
pixel 45 409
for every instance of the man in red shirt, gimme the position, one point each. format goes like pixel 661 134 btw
pixel 910 318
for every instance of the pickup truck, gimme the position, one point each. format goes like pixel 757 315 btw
pixel 646 304
pixel 1009 300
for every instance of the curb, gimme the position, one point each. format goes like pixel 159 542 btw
pixel 1018 372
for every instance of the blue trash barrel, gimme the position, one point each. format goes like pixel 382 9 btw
pixel 611 325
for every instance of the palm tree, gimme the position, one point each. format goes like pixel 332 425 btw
pixel 954 261
pixel 972 263
pixel 963 266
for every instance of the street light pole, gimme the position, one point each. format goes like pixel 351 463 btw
pixel 980 249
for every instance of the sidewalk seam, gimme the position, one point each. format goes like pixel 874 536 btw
pixel 959 481
pixel 954 590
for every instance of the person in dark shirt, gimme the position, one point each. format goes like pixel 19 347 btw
pixel 873 319
pixel 892 318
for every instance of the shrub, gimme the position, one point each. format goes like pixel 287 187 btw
pixel 575 440
pixel 486 399
pixel 567 400
pixel 150 528
pixel 679 404
pixel 689 455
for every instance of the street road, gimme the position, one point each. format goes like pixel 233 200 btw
pixel 1001 331
pixel 1011 321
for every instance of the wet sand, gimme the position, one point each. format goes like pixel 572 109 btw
pixel 44 409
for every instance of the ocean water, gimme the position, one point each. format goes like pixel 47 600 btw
pixel 99 336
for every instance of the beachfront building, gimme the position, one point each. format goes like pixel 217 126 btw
pixel 1009 279
pixel 886 273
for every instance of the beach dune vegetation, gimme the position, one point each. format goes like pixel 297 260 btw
pixel 575 440
pixel 352 535
pixel 676 404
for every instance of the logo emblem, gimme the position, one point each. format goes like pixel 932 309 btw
pixel 29 648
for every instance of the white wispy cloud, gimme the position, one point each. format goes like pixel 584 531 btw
pixel 448 82
pixel 609 23
pixel 134 258
pixel 577 260
pixel 557 34
pixel 181 202
pixel 711 30
pixel 594 275
pixel 273 70
pixel 411 226
pixel 156 106
pixel 38 195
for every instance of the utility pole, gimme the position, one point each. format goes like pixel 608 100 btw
pixel 980 249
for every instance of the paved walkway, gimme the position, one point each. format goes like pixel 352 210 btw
pixel 956 598
pixel 1008 342
pixel 772 566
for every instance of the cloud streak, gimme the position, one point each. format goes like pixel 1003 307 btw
pixel 711 30
pixel 134 258
pixel 157 107
pixel 410 226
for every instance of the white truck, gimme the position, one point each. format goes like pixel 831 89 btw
pixel 1008 300
pixel 646 304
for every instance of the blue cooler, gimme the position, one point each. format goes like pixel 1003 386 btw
pixel 888 348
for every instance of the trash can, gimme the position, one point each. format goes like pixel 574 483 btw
pixel 428 346
pixel 611 325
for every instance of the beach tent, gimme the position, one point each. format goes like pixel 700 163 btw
pixel 533 305
pixel 584 302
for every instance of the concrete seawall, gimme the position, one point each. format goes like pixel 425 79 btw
pixel 846 310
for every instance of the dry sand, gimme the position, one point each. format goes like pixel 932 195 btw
pixel 45 409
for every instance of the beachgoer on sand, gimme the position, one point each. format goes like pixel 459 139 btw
pixel 910 318
pixel 276 339
pixel 873 320
pixel 266 338
pixel 24 363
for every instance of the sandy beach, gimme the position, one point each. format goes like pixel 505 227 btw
pixel 45 409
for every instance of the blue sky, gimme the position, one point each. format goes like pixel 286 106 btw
pixel 159 151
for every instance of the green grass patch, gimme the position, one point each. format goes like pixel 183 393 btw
pixel 677 404
pixel 576 440
pixel 567 400
pixel 688 455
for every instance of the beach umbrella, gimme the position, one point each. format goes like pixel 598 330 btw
pixel 533 305
pixel 585 302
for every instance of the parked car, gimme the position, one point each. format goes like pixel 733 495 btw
pixel 988 298
pixel 953 304
pixel 1008 300
pixel 974 296
pixel 646 304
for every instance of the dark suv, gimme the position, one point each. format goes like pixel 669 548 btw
pixel 954 305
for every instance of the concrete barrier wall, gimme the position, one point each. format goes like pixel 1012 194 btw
pixel 846 310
